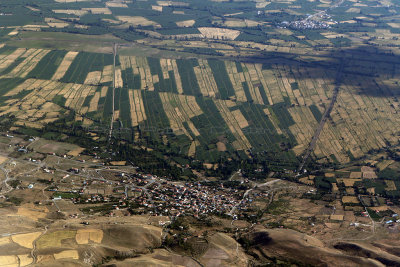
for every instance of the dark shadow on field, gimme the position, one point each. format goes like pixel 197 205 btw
pixel 363 68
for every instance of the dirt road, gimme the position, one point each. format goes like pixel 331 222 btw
pixel 323 120
pixel 113 93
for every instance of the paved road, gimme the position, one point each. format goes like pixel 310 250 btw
pixel 323 120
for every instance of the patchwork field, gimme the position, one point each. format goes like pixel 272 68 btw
pixel 210 106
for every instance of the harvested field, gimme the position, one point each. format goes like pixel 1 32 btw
pixel 25 260
pixel 32 58
pixel 76 12
pixel 49 147
pixel 369 175
pixel 390 185
pixel 192 148
pixel 107 74
pixel 172 3
pixel 157 8
pixel 137 20
pixel 65 64
pixel 95 10
pixel 138 113
pixel 219 33
pixel 241 143
pixel 118 78
pixel 350 199
pixel 84 236
pixel 67 254
pixel 5 240
pixel 184 109
pixel 205 79
pixel 186 23
pixel 349 182
pixel 9 261
pixel 32 212
pixel 93 78
pixel 221 146
pixel 58 24
pixel 116 4
pixel 159 257
pixel 54 239
pixel 3 159
pixel 73 1
pixel 354 175
pixel 240 119
pixel 26 240
pixel 76 152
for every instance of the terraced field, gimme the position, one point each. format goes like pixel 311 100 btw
pixel 204 108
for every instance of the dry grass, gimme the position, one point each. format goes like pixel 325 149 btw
pixel 73 1
pixel 118 78
pixel 350 199
pixel 356 175
pixel 26 240
pixel 107 74
pixel 137 20
pixel 104 91
pixel 9 261
pixel 118 163
pixel 157 8
pixel 3 159
pixel 76 12
pixel 75 152
pixel 369 175
pixel 221 146
pixel 32 57
pixel 177 114
pixel 219 33
pixel 192 148
pixel 137 110
pixel 172 3
pixel 44 258
pixel 205 79
pixel 237 114
pixel 25 260
pixel 116 4
pixel 241 142
pixel 65 64
pixel 32 212
pixel 83 236
pixel 9 59
pixel 390 185
pixel 96 10
pixel 93 78
pixel 53 239
pixel 67 254
pixel 94 102
pixel 186 23
pixel 5 240
pixel 57 24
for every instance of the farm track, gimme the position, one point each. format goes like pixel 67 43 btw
pixel 323 120
pixel 7 178
pixel 113 93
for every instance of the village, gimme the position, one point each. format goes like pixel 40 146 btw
pixel 82 186
pixel 144 193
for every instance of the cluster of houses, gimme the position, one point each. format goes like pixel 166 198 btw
pixel 157 196
pixel 192 198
